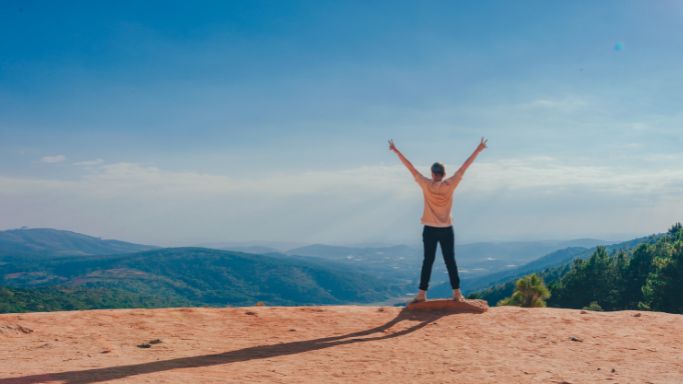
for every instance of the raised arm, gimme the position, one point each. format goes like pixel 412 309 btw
pixel 403 159
pixel 461 171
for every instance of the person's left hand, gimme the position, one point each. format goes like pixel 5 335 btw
pixel 482 144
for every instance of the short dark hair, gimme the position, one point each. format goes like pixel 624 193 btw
pixel 438 169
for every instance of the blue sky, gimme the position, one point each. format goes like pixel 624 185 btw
pixel 176 123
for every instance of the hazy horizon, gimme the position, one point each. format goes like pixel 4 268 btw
pixel 174 124
pixel 288 245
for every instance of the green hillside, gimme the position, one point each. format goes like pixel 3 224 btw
pixel 47 299
pixel 200 276
pixel 649 276
pixel 492 283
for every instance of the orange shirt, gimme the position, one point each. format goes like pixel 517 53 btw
pixel 438 200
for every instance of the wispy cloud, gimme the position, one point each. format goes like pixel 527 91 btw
pixel 564 104
pixel 357 204
pixel 89 163
pixel 551 174
pixel 53 159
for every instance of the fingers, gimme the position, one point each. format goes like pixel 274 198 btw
pixel 482 144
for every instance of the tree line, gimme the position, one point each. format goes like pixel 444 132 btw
pixel 648 277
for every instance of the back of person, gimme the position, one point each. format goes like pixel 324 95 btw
pixel 438 201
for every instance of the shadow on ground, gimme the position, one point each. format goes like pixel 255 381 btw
pixel 258 352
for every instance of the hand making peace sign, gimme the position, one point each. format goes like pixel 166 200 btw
pixel 482 144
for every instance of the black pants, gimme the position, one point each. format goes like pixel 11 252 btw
pixel 443 236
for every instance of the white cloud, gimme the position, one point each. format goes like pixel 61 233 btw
pixel 565 104
pixel 53 159
pixel 550 174
pixel 507 198
pixel 89 163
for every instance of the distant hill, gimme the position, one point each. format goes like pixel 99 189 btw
pixel 252 246
pixel 49 266
pixel 550 260
pixel 395 262
pixel 475 260
pixel 47 242
pixel 255 249
pixel 520 251
pixel 202 276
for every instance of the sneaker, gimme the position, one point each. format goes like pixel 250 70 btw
pixel 460 298
pixel 457 296
pixel 419 299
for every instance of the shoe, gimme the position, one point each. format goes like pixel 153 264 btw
pixel 458 296
pixel 418 299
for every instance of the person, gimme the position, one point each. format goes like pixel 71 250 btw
pixel 437 218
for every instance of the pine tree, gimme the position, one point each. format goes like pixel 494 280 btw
pixel 530 291
pixel 636 273
pixel 663 289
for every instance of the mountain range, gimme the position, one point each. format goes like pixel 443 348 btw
pixel 40 266
pixel 402 262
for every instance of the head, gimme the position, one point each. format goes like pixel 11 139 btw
pixel 438 171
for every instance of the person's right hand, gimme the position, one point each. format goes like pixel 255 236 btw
pixel 392 147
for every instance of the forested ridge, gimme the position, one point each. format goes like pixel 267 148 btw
pixel 649 276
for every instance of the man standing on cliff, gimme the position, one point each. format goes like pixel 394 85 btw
pixel 437 218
